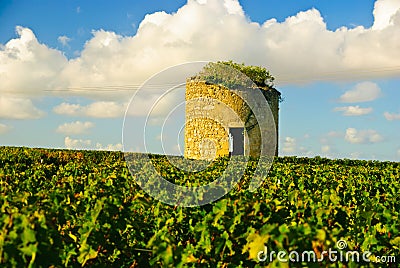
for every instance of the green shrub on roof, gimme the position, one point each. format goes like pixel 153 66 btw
pixel 226 73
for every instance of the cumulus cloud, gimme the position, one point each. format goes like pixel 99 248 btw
pixel 64 40
pixel 391 116
pixel 144 104
pixel 29 68
pixel 287 48
pixel 102 109
pixel 289 145
pixel 297 50
pixel 233 7
pixel 386 12
pixel 81 144
pixel 74 128
pixel 18 108
pixel 325 149
pixel 4 128
pixel 353 110
pixel 362 136
pixel 77 144
pixel 362 92
pixel 68 109
pixel 109 147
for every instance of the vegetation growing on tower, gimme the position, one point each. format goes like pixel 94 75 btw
pixel 226 73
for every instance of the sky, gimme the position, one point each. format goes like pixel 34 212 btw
pixel 69 69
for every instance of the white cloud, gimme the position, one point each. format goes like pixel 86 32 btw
pixel 4 128
pixel 328 151
pixel 18 108
pixel 74 128
pixel 353 110
pixel 334 134
pixel 362 136
pixel 297 50
pixel 355 155
pixel 77 144
pixel 109 147
pixel 102 109
pixel 391 116
pixel 233 7
pixel 27 67
pixel 362 92
pixel 385 13
pixel 289 145
pixel 80 144
pixel 398 152
pixel 112 109
pixel 68 109
pixel 64 40
pixel 325 149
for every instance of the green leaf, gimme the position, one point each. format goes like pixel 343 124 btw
pixel 28 236
pixel 255 244
pixel 395 242
pixel 73 237
pixel 86 253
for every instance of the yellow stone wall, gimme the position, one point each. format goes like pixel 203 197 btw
pixel 205 138
pixel 210 111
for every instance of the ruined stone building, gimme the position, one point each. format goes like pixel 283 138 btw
pixel 217 116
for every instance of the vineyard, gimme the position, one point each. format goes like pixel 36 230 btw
pixel 63 208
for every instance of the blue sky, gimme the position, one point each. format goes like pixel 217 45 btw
pixel 68 68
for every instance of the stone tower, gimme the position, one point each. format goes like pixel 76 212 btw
pixel 217 115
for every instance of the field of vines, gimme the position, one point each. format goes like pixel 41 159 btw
pixel 63 208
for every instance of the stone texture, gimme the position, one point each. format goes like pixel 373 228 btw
pixel 212 109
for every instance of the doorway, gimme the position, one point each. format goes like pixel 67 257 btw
pixel 236 141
